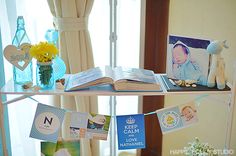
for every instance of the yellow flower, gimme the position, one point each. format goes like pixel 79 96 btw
pixel 43 52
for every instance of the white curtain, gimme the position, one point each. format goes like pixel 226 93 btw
pixel 71 19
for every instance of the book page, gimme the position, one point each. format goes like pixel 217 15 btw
pixel 109 72
pixel 117 74
pixel 134 74
pixel 86 77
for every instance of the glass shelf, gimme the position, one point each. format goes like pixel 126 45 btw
pixel 11 88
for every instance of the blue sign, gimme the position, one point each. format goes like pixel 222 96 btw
pixel 131 131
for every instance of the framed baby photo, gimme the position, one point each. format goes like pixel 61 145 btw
pixel 187 59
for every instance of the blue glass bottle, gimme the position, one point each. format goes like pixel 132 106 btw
pixel 19 76
pixel 59 67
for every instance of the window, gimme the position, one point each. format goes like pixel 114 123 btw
pixel 127 53
pixel 37 21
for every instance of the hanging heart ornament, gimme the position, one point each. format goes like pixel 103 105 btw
pixel 19 58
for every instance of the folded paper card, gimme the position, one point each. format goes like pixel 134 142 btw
pixel 177 117
pixel 47 122
pixel 131 131
pixel 78 125
pixel 89 125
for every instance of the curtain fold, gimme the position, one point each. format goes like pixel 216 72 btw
pixel 71 19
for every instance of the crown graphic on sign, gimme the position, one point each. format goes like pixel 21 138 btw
pixel 130 120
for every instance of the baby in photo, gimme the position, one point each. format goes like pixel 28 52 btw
pixel 189 114
pixel 183 66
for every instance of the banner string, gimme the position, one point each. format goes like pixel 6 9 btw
pixel 150 113
pixel 67 110
pixel 197 100
pixel 33 99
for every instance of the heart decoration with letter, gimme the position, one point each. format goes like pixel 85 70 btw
pixel 19 58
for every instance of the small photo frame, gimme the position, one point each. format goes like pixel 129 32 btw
pixel 187 59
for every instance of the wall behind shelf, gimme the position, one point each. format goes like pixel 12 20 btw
pixel 214 19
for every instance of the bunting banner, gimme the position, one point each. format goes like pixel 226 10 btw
pixel 131 131
pixel 177 117
pixel 130 128
pixel 47 123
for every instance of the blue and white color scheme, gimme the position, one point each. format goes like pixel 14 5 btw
pixel 170 119
pixel 131 131
pixel 47 122
pixel 177 117
pixel 187 59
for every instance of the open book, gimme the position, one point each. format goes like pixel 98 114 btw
pixel 122 79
